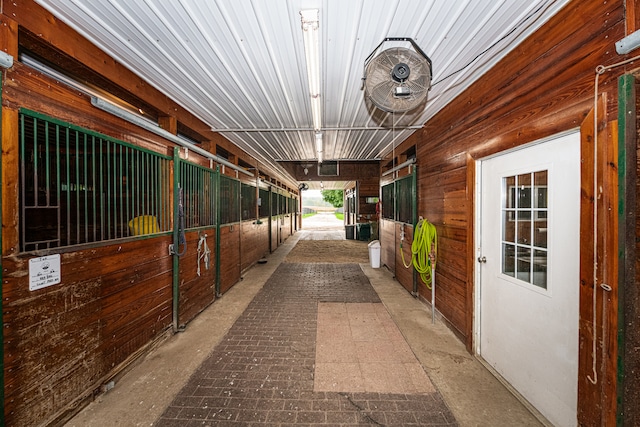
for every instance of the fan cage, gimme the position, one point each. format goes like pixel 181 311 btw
pixel 383 90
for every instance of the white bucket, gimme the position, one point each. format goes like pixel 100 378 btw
pixel 374 254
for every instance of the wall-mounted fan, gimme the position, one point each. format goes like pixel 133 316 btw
pixel 398 78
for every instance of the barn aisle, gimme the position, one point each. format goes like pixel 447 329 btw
pixel 322 226
pixel 314 336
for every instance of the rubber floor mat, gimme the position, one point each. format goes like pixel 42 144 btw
pixel 262 373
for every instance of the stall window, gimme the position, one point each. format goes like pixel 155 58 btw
pixel 78 186
pixel 198 196
pixel 404 200
pixel 263 206
pixel 229 200
pixel 249 201
pixel 398 199
pixel 388 201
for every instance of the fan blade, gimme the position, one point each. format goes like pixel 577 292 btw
pixel 378 73
pixel 417 85
pixel 386 61
pixel 382 93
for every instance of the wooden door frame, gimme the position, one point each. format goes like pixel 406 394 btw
pixel 597 380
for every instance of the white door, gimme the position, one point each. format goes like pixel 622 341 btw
pixel 527 307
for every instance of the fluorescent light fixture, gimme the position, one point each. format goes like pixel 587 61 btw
pixel 629 43
pixel 316 108
pixel 319 146
pixel 310 25
pixel 152 127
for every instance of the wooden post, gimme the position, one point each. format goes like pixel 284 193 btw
pixel 628 392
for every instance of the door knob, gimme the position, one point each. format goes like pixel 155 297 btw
pixel 482 259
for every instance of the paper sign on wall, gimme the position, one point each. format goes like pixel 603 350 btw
pixel 44 271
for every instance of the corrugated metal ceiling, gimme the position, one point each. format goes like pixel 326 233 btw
pixel 240 64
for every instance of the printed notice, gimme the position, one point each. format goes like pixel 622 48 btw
pixel 44 271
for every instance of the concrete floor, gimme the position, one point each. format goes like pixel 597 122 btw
pixel 473 395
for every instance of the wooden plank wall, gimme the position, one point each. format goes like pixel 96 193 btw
pixel 115 301
pixel 404 275
pixel 62 341
pixel 544 87
pixel 388 244
pixel 197 292
pixel 442 201
pixel 229 256
pixel 255 242
pixel 594 386
pixel 286 226
pixel 369 187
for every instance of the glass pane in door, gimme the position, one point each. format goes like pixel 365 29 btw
pixel 524 227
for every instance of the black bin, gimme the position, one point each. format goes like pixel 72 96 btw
pixel 364 231
pixel 350 232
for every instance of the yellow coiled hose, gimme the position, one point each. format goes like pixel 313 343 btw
pixel 425 243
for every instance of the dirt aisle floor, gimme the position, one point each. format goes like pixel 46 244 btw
pixel 322 239
pixel 336 251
